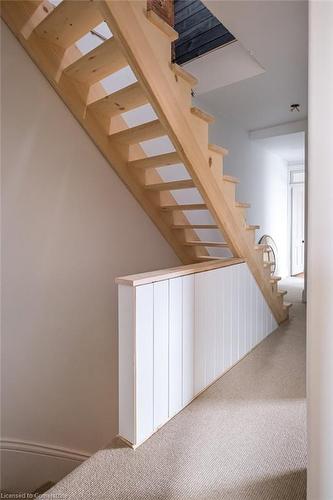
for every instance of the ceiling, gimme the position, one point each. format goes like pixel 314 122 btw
pixel 273 33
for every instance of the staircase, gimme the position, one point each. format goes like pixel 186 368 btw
pixel 143 41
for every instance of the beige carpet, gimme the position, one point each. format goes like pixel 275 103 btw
pixel 244 438
pixel 294 285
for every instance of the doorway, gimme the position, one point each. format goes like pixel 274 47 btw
pixel 297 211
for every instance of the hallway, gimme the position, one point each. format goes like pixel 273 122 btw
pixel 243 438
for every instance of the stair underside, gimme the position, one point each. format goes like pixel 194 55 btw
pixel 146 47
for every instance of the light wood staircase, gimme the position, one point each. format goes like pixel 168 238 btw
pixel 142 41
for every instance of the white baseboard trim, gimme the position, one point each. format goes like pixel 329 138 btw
pixel 43 449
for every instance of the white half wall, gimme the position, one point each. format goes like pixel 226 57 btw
pixel 177 335
pixel 263 182
pixel 69 227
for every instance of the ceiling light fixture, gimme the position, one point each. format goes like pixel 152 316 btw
pixel 294 107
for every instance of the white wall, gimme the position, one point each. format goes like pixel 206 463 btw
pixel 320 253
pixel 263 182
pixel 69 227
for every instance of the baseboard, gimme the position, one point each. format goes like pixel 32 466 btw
pixel 43 449
pixel 26 465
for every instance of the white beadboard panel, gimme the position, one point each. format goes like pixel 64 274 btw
pixel 242 313
pixel 206 304
pixel 252 313
pixel 227 317
pixel 220 292
pixel 188 338
pixel 211 305
pixel 126 308
pixel 199 334
pixel 183 333
pixel 161 352
pixel 203 329
pixel 144 361
pixel 175 345
pixel 262 316
pixel 257 309
pixel 247 302
pixel 234 315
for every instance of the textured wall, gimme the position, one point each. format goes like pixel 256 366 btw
pixel 69 228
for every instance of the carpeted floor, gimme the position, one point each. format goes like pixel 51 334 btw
pixel 294 285
pixel 244 438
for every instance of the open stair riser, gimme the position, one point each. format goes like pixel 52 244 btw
pixel 144 44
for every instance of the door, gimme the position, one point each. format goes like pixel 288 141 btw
pixel 297 229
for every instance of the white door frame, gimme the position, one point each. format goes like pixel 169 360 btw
pixel 292 170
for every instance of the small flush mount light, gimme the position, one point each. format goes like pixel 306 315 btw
pixel 295 107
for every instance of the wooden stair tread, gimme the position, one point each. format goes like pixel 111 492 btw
pixel 200 243
pixel 189 206
pixel 69 21
pixel 104 60
pixel 252 227
pixel 162 25
pixel 261 247
pixel 140 133
pixel 202 114
pixel 242 205
pixel 218 149
pixel 287 305
pixel 210 257
pixel 123 100
pixel 194 226
pixel 182 73
pixel 169 186
pixel 162 160
pixel 274 279
pixel 282 292
pixel 230 178
pixel 140 42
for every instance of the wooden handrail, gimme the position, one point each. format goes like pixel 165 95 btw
pixel 175 272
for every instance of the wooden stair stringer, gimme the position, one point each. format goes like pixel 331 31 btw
pixel 50 62
pixel 149 56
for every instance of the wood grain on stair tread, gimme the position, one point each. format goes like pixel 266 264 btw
pixel 69 21
pixel 169 186
pixel 182 73
pixel 194 226
pixel 230 178
pixel 140 133
pixel 252 227
pixel 206 244
pixel 123 100
pixel 128 22
pixel 162 160
pixel 189 206
pixel 162 25
pixel 261 247
pixel 218 149
pixel 170 102
pixel 211 258
pixel 102 61
pixel 242 205
pixel 202 114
